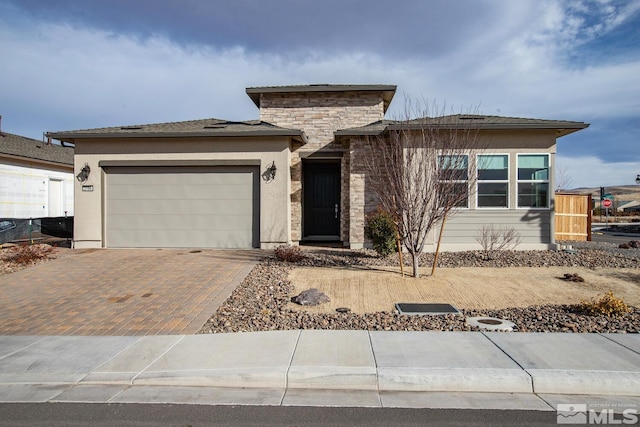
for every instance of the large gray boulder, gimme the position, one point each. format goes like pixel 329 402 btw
pixel 310 297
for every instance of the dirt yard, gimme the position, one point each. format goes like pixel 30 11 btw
pixel 366 290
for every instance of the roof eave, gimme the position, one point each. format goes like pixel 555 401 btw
pixel 72 137
pixel 36 160
pixel 387 90
pixel 561 129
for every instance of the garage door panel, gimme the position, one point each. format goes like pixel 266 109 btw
pixel 173 192
pixel 195 238
pixel 161 223
pixel 187 176
pixel 187 207
pixel 182 207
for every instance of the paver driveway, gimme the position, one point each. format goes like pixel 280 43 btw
pixel 121 291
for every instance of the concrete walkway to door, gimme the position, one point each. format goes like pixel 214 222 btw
pixel 121 291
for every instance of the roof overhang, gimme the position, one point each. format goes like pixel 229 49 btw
pixel 72 137
pixel 388 91
pixel 561 128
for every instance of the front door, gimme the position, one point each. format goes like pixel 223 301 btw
pixel 321 211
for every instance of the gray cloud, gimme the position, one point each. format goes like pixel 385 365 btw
pixel 70 65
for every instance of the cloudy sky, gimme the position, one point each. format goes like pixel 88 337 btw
pixel 72 64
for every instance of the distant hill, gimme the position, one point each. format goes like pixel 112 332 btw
pixel 620 192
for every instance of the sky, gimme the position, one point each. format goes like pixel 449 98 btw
pixel 77 64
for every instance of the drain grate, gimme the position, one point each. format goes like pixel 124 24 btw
pixel 430 308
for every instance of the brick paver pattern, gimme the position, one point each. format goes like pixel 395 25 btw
pixel 121 291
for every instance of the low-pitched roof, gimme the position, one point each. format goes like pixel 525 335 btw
pixel 464 121
pixel 203 127
pixel 32 149
pixel 388 91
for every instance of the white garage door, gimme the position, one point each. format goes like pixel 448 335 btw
pixel 182 207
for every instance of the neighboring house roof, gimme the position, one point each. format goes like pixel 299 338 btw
pixel 628 205
pixel 203 127
pixel 460 121
pixel 387 90
pixel 27 148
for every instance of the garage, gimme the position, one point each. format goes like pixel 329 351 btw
pixel 182 207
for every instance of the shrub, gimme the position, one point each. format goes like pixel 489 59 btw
pixel 608 305
pixel 289 253
pixel 24 254
pixel 381 230
pixel 494 239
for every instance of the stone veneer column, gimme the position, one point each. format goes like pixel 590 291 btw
pixel 356 195
pixel 319 115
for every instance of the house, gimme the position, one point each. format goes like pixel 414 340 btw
pixel 36 178
pixel 294 175
pixel 631 206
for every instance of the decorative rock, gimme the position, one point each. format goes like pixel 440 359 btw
pixel 575 277
pixel 261 302
pixel 634 244
pixel 624 246
pixel 310 297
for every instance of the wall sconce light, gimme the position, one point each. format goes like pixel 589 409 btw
pixel 83 175
pixel 638 180
pixel 270 173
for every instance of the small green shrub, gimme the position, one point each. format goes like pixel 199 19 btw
pixel 608 305
pixel 381 230
pixel 289 253
pixel 24 254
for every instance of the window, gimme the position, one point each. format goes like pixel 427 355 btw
pixel 533 180
pixel 453 175
pixel 493 181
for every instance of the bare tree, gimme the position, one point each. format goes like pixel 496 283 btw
pixel 562 178
pixel 421 169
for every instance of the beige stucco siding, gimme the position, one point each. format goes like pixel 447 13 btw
pixel 261 152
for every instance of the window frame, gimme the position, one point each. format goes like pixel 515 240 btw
pixel 456 181
pixel 493 181
pixel 533 181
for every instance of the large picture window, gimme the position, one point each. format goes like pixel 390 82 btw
pixel 533 180
pixel 493 181
pixel 453 175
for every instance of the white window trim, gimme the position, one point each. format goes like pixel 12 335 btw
pixel 461 182
pixel 493 181
pixel 534 181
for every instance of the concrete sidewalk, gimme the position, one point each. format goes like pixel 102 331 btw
pixel 327 368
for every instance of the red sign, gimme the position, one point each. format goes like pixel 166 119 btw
pixel 606 203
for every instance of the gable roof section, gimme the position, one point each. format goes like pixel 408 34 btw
pixel 388 91
pixel 462 121
pixel 32 149
pixel 191 128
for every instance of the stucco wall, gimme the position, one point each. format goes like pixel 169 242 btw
pixel 274 208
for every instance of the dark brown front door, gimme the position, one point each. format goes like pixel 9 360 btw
pixel 321 188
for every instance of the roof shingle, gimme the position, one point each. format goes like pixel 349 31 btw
pixel 203 127
pixel 28 148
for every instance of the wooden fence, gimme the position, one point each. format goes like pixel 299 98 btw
pixel 573 216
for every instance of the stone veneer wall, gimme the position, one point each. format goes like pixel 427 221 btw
pixel 319 115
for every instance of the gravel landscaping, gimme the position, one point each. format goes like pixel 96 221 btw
pixel 260 302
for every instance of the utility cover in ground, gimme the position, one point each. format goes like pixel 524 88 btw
pixel 430 308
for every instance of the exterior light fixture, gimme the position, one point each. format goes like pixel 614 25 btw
pixel 83 175
pixel 271 171
pixel 638 180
